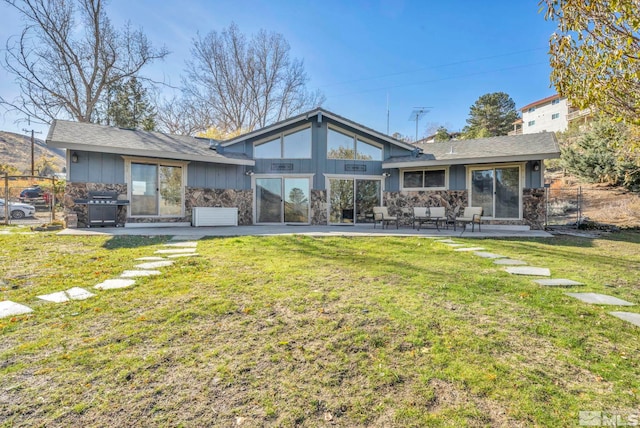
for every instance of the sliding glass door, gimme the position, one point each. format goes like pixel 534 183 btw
pixel 156 190
pixel 352 200
pixel 497 190
pixel 282 199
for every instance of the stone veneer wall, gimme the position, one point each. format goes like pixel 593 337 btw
pixel 401 203
pixel 319 207
pixel 534 208
pixel 73 191
pixel 225 198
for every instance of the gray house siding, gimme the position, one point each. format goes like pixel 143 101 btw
pixel 217 176
pixel 93 167
pixel 457 177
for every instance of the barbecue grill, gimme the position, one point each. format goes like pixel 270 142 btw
pixel 102 208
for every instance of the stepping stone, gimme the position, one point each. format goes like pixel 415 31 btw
pixel 511 262
pixel 529 270
pixel 445 241
pixel 58 297
pixel 176 251
pixel 155 265
pixel 633 318
pixel 486 255
pixel 469 249
pixel 557 282
pixel 455 245
pixel 173 256
pixel 599 299
pixel 186 244
pixel 9 308
pixel 187 237
pixel 135 273
pixel 77 293
pixel 151 258
pixel 112 284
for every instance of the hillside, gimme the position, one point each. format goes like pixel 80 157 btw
pixel 15 150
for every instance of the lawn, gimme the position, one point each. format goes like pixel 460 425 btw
pixel 304 331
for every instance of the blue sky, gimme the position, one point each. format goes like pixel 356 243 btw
pixel 359 53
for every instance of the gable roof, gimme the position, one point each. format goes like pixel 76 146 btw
pixel 508 148
pixel 540 102
pixel 107 139
pixel 318 113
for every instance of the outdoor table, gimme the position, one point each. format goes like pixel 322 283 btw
pixel 436 220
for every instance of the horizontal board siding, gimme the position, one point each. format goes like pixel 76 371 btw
pixel 217 176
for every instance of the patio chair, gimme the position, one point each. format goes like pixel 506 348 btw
pixel 429 215
pixel 471 215
pixel 381 214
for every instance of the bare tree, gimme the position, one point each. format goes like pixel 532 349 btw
pixel 61 70
pixel 181 116
pixel 248 83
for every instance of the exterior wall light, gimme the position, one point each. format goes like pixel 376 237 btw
pixel 386 174
pixel 74 157
pixel 536 166
pixel 249 172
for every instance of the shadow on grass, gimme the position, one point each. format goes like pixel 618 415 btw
pixel 132 241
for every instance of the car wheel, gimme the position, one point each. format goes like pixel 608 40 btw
pixel 17 214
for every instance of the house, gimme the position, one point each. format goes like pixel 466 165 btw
pixel 550 114
pixel 315 168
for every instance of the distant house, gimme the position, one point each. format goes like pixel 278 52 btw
pixel 315 168
pixel 550 114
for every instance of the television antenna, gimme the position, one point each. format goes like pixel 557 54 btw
pixel 416 114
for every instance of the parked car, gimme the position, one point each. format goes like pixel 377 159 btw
pixel 17 209
pixel 35 192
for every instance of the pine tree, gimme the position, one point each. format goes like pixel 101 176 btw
pixel 128 106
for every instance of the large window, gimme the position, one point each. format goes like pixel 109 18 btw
pixel 349 147
pixel 156 189
pixel 427 179
pixel 292 145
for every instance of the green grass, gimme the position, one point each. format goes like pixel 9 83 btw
pixel 302 331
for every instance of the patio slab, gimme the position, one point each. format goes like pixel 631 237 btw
pixel 9 309
pixel 557 282
pixel 155 265
pixel 187 237
pixel 112 284
pixel 175 251
pixel 599 299
pixel 529 270
pixel 631 317
pixel 136 273
pixel 469 249
pixel 486 255
pixel 510 262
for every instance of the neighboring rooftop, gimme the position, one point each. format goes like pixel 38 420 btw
pixel 541 102
pixel 98 138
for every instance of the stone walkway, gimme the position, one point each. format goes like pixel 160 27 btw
pixel 179 247
pixel 519 267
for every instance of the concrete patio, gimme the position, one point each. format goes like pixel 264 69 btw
pixel 488 231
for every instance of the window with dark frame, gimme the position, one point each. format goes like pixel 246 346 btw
pixel 424 179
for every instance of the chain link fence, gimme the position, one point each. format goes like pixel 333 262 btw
pixel 29 200
pixel 577 205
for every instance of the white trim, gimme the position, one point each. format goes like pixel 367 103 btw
pixel 158 162
pixel 430 168
pixel 280 136
pixel 469 160
pixel 521 181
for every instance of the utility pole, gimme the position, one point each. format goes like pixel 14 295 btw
pixel 33 143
